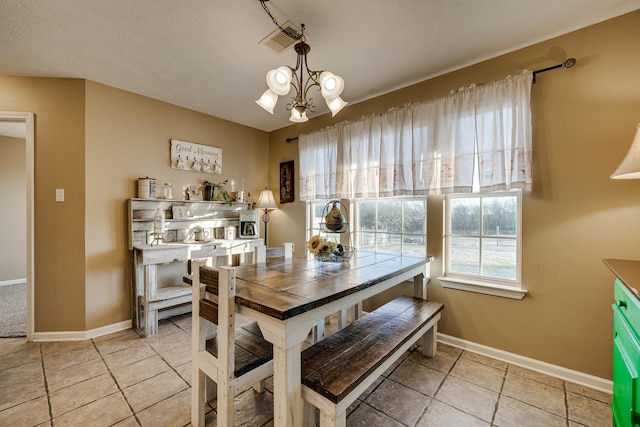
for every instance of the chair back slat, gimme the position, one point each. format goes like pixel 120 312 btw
pixel 262 253
pixel 209 310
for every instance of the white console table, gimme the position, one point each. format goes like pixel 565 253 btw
pixel 148 299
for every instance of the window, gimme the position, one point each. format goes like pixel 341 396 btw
pixel 390 224
pixel 483 243
pixel 394 224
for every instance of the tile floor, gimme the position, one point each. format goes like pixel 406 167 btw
pixel 125 380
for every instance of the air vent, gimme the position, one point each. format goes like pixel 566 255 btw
pixel 279 40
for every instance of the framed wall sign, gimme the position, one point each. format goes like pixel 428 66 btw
pixel 195 157
pixel 286 182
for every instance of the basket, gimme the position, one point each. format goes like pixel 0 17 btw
pixel 337 255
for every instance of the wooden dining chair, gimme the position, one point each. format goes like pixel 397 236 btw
pixel 263 253
pixel 234 359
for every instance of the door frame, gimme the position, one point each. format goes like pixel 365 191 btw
pixel 28 119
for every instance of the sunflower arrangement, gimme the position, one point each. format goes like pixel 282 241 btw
pixel 323 249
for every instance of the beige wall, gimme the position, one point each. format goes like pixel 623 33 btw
pixel 13 223
pixel 583 123
pixel 59 238
pixel 82 266
pixel 127 137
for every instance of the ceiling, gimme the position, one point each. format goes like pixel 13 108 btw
pixel 204 54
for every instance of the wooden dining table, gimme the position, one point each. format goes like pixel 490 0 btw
pixel 288 297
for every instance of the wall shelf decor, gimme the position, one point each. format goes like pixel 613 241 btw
pixel 195 157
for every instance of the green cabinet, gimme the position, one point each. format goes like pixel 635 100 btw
pixel 626 357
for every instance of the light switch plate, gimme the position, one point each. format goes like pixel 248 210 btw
pixel 59 194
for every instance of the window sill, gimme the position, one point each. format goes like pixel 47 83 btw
pixel 482 287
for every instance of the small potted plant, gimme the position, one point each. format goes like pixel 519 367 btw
pixel 216 191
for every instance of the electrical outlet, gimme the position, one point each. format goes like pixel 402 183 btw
pixel 59 194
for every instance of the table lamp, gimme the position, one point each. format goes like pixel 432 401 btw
pixel 629 168
pixel 266 202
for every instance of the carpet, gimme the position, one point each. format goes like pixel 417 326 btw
pixel 13 310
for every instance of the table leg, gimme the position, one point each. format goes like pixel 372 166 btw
pixel 287 407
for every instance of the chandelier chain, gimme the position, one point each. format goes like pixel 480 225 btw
pixel 288 31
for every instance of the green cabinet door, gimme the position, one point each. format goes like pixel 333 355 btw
pixel 626 358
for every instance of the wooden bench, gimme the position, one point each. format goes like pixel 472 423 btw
pixel 338 369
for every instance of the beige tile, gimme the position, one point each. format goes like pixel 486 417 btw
pixel 588 411
pixel 177 356
pixel 395 364
pixel 165 327
pixel 184 321
pixel 398 401
pixel 77 395
pixel 164 343
pixel 440 415
pixel 418 377
pixel 21 357
pixel 16 345
pixel 498 364
pixel 479 374
pixel 139 371
pixel 535 393
pixel 55 347
pixel 366 416
pixel 449 349
pixel 20 373
pixel 66 377
pixel 588 392
pixel 103 412
pixel 470 398
pixel 513 413
pixel 119 343
pixel 129 422
pixel 128 356
pixel 18 393
pixel 251 408
pixel 532 375
pixel 30 413
pixel 173 411
pixel 185 373
pixel 73 357
pixel 153 390
pixel 443 360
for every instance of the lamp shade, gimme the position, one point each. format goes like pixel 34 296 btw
pixel 279 80
pixel 629 168
pixel 266 200
pixel 335 105
pixel 330 84
pixel 268 100
pixel 298 117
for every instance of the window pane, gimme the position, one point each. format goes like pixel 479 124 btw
pixel 414 217
pixel 317 214
pixel 366 240
pixel 389 242
pixel 414 245
pixel 390 216
pixel 499 258
pixel 367 212
pixel 499 216
pixel 465 216
pixel 465 255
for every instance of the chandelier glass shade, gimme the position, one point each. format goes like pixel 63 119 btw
pixel 302 79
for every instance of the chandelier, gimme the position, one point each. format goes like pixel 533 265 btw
pixel 302 79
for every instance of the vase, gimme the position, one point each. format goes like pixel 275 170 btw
pixel 208 192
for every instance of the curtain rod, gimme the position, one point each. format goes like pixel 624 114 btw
pixel 566 64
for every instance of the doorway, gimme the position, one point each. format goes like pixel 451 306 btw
pixel 21 125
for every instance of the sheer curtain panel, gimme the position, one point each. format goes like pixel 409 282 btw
pixel 431 147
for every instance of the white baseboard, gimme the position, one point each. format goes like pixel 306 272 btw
pixel 565 374
pixel 81 335
pixel 12 282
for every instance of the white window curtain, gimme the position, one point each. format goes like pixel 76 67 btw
pixel 426 148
